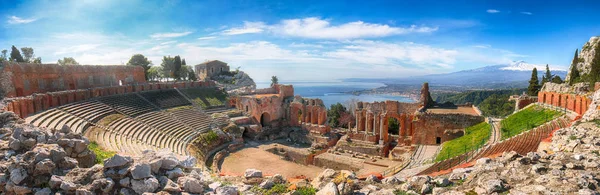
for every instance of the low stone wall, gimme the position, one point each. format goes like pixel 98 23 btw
pixel 338 162
pixel 29 105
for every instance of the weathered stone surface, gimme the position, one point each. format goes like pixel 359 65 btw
pixel 329 189
pixel 140 171
pixel 253 173
pixel 191 185
pixel 145 185
pixel 226 190
pixel 117 161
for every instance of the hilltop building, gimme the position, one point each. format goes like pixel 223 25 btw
pixel 209 69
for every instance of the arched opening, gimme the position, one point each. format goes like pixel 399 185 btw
pixel 300 116
pixel 393 126
pixel 559 103
pixel 265 119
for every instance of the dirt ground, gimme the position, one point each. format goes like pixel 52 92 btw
pixel 257 158
pixel 458 110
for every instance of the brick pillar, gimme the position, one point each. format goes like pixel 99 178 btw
pixel 17 108
pixel 23 105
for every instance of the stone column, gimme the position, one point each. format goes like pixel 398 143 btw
pixel 374 123
pixel 366 122
pixel 381 121
pixel 356 118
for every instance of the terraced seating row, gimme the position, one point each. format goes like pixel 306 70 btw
pixel 523 143
pixel 193 118
pixel 56 119
pixel 129 104
pixel 92 111
pixel 167 124
pixel 166 98
pixel 142 133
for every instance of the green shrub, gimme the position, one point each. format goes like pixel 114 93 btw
pixel 400 192
pixel 276 189
pixel 305 191
pixel 475 136
pixel 101 154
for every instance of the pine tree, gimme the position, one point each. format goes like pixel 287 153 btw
pixel 534 85
pixel 594 75
pixel 183 62
pixel 548 76
pixel 574 76
pixel 15 55
pixel 177 68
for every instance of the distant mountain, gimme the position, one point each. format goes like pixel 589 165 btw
pixel 513 75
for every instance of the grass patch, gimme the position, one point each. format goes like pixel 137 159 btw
pixel 101 154
pixel 475 136
pixel 276 189
pixel 206 97
pixel 179 108
pixel 400 192
pixel 526 119
pixel 305 191
pixel 109 119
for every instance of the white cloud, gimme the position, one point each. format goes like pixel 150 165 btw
pixel 77 49
pixel 207 38
pixel 407 53
pixel 248 28
pixel 18 20
pixel 527 13
pixel 483 46
pixel 316 28
pixel 170 35
pixel 168 42
pixel 305 45
pixel 493 11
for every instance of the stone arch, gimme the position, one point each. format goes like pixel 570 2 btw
pixel 265 119
pixel 393 125
pixel 297 114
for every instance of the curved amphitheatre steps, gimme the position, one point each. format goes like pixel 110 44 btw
pixel 145 125
pixel 523 143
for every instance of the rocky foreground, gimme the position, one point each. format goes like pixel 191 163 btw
pixel 42 161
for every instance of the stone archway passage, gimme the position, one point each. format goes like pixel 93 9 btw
pixel 265 119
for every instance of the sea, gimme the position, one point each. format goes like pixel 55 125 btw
pixel 334 92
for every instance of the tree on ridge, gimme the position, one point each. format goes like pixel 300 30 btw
pixel 274 80
pixel 15 55
pixel 140 60
pixel 67 61
pixel 534 85
pixel 574 76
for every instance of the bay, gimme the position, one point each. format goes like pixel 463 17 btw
pixel 334 92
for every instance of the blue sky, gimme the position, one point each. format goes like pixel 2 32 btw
pixel 306 40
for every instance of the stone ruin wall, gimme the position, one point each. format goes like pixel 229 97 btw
pixel 573 102
pixel 29 105
pixel 309 114
pixel 27 79
pixel 372 120
pixel 272 104
pixel 429 126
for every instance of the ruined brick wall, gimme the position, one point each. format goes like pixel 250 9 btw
pixel 429 127
pixel 310 114
pixel 576 103
pixel 27 79
pixel 29 105
pixel 522 102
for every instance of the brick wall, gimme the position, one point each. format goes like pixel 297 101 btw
pixel 27 79
pixel 576 103
pixel 29 105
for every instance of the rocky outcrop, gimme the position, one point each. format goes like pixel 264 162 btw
pixel 238 83
pixel 585 57
pixel 565 88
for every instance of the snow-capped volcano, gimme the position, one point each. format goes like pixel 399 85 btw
pixel 524 66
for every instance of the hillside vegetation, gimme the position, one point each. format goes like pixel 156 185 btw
pixel 475 136
pixel 474 97
pixel 526 119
